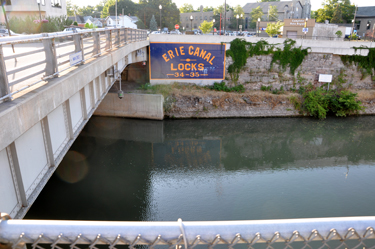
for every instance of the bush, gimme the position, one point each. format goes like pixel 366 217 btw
pixel 32 24
pixel 319 102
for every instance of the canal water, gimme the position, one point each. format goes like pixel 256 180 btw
pixel 224 169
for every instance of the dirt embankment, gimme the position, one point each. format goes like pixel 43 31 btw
pixel 186 101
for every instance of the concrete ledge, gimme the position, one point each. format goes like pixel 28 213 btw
pixel 147 106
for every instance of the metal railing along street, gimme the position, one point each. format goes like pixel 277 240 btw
pixel 346 232
pixel 41 57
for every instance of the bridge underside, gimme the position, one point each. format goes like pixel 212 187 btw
pixel 39 127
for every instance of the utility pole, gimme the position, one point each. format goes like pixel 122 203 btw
pixel 225 14
pixel 355 13
pixel 116 13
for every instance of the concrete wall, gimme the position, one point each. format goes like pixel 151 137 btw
pixel 38 128
pixel 149 106
pixel 317 46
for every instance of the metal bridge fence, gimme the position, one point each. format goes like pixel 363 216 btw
pixel 346 232
pixel 31 59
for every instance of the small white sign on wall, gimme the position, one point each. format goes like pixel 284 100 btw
pixel 325 78
pixel 75 58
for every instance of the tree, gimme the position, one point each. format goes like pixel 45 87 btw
pixel 153 24
pixel 207 9
pixel 69 8
pixel 86 10
pixel 272 13
pixel 256 13
pixel 186 8
pixel 140 24
pixel 129 7
pixel 274 28
pixel 206 26
pixel 238 10
pixel 335 12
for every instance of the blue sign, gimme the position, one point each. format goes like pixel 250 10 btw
pixel 187 61
pixel 305 29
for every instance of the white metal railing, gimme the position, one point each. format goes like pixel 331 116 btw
pixel 47 54
pixel 348 232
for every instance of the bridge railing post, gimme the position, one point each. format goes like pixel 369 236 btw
pixel 4 83
pixel 117 41
pixel 126 35
pixel 78 45
pixel 96 49
pixel 51 58
pixel 108 43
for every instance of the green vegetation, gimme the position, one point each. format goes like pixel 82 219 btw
pixel 335 12
pixel 318 102
pixel 272 90
pixel 206 27
pixel 274 28
pixel 222 87
pixel 338 33
pixel 240 50
pixel 366 64
pixel 289 56
pixel 32 24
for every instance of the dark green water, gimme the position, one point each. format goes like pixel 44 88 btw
pixel 227 169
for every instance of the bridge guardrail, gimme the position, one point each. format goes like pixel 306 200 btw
pixel 49 54
pixel 345 232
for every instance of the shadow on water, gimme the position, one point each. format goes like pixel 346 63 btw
pixel 126 169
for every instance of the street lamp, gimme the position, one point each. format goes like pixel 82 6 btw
pixel 40 15
pixel 258 27
pixel 213 24
pixel 191 21
pixel 160 7
pixel 237 22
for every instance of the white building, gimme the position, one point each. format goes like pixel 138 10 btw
pixel 122 21
pixel 23 8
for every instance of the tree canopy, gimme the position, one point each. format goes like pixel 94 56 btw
pixel 274 28
pixel 153 24
pixel 335 12
pixel 272 13
pixel 144 10
pixel 256 13
pixel 238 10
pixel 206 26
pixel 186 8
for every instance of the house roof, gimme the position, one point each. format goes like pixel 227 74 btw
pixel 79 19
pixel 264 5
pixel 368 11
pixel 134 18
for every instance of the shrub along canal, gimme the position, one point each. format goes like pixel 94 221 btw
pixel 227 169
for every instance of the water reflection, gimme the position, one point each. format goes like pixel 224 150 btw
pixel 215 170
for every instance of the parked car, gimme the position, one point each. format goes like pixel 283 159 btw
pixel 173 32
pixel 155 33
pixel 250 34
pixel 4 32
pixel 72 29
pixel 221 32
pixel 197 31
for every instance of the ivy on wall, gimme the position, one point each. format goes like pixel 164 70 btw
pixel 366 64
pixel 240 50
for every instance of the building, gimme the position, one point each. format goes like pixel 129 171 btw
pixel 365 21
pixel 286 10
pixel 122 21
pixel 23 8
pixel 199 17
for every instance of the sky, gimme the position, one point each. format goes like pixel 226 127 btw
pixel 316 4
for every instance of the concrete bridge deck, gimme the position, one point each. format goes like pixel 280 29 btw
pixel 39 126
